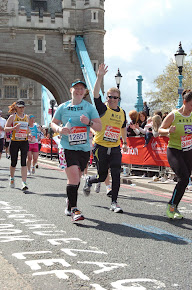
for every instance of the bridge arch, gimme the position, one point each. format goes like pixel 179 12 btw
pixel 23 65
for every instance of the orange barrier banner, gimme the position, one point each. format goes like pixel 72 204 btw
pixel 46 146
pixel 155 153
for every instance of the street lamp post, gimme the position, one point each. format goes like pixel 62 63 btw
pixel 118 78
pixel 179 58
pixel 52 103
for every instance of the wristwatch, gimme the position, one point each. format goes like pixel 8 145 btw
pixel 90 123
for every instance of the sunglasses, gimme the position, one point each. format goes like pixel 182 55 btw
pixel 113 97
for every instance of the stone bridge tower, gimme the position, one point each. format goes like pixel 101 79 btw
pixel 38 40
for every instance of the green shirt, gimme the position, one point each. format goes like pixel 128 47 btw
pixel 181 139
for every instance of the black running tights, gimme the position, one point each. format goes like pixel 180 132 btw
pixel 181 163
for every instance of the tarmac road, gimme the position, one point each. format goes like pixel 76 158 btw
pixel 139 249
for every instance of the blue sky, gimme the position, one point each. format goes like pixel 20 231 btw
pixel 141 38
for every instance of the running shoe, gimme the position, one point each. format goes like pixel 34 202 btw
pixel 28 173
pixel 12 182
pixel 76 215
pixel 33 170
pixel 97 187
pixel 109 191
pixel 87 186
pixel 68 208
pixel 116 208
pixel 178 215
pixel 24 186
pixel 172 212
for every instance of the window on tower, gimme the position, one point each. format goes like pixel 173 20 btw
pixel 39 5
pixel 94 16
pixel 40 43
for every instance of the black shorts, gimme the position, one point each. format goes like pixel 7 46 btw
pixel 1 144
pixel 79 158
pixel 6 144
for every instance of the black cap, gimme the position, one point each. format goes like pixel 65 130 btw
pixel 20 103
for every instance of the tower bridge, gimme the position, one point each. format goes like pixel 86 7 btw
pixel 39 41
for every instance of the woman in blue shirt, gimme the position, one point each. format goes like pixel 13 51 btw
pixel 76 117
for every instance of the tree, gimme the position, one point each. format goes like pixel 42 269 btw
pixel 166 96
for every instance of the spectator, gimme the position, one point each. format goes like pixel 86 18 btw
pixel 164 115
pixel 142 119
pixel 148 131
pixel 133 115
pixel 157 112
pixel 156 122
pixel 146 108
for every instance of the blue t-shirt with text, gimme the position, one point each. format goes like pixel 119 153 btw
pixel 78 139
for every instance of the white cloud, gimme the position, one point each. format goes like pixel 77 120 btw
pixel 141 38
pixel 121 43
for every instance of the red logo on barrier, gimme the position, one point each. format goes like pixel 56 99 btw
pixel 155 153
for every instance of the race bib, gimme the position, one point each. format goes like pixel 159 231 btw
pixel 111 134
pixel 21 135
pixel 186 142
pixel 77 135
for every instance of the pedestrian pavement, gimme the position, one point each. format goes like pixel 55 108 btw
pixel 132 180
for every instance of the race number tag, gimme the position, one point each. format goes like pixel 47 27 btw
pixel 111 134
pixel 22 132
pixel 21 135
pixel 186 142
pixel 77 135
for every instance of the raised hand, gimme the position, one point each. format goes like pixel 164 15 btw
pixel 103 69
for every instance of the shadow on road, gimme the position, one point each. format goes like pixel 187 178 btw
pixel 126 230
pixel 141 199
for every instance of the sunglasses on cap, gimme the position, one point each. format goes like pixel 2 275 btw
pixel 113 97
